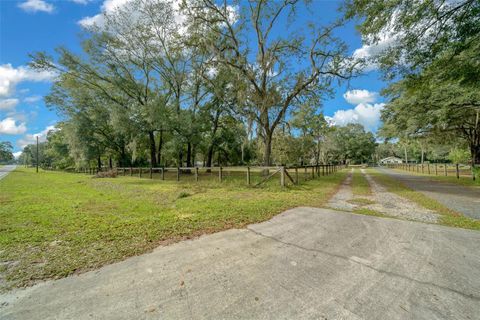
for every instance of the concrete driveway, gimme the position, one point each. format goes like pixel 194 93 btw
pixel 305 263
pixel 5 170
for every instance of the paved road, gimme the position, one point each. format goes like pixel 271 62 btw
pixel 5 170
pixel 456 197
pixel 303 264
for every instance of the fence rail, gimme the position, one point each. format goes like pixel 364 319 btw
pixel 253 175
pixel 437 169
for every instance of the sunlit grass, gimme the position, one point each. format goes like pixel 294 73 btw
pixel 53 224
pixel 360 185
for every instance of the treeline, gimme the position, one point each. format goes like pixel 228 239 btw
pixel 425 151
pixel 159 84
pixel 332 145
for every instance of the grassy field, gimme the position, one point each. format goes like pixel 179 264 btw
pixel 54 224
pixel 449 217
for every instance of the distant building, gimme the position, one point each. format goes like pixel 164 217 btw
pixel 390 160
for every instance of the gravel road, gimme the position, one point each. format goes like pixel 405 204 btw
pixel 459 198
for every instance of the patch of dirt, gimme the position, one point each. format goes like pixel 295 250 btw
pixel 341 199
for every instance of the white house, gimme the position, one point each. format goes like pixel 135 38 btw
pixel 390 160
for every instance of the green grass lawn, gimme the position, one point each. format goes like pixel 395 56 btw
pixel 360 185
pixel 54 224
pixel 449 217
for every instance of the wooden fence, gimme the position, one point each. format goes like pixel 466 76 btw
pixel 437 169
pixel 254 176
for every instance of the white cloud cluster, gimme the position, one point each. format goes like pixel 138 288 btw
pixel 369 51
pixel 8 104
pixel 108 7
pixel 10 77
pixel 17 154
pixel 36 5
pixel 365 112
pixel 32 138
pixel 360 96
pixel 9 126
pixel 32 99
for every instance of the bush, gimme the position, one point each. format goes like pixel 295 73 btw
pixel 106 174
pixel 183 194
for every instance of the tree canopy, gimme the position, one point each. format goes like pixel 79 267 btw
pixel 162 84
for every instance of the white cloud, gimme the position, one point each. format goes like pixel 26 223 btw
pixel 10 77
pixel 36 5
pixel 366 114
pixel 108 7
pixel 360 96
pixel 32 99
pixel 8 104
pixel 17 154
pixel 32 138
pixel 9 126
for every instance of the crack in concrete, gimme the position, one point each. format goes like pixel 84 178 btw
pixel 386 272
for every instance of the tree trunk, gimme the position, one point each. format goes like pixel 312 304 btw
pixel 208 164
pixel 189 154
pixel 110 164
pixel 153 151
pixel 160 146
pixel 268 149
pixel 99 163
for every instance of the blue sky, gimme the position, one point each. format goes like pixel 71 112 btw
pixel 28 26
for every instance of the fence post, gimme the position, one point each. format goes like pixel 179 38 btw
pixel 282 176
pixel 305 175
pixel 131 171
pixel 220 174
pixel 196 174
pixel 163 173
pixel 248 175
pixel 296 175
pixel 436 171
pixel 422 167
pixel 151 173
pixel 428 168
pixel 140 172
pixel 445 169
pixel 323 170
pixel 313 172
pixel 458 172
pixel 178 173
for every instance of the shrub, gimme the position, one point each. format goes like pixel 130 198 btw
pixel 183 194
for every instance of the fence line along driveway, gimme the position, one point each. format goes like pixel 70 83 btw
pixel 5 170
pixel 305 263
pixel 459 198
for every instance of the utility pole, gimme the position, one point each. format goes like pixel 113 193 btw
pixel 37 154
